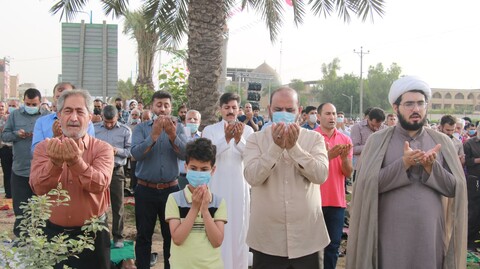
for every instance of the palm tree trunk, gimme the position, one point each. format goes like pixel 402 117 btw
pixel 207 22
pixel 146 54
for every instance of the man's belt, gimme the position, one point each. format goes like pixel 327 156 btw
pixel 158 186
pixel 101 219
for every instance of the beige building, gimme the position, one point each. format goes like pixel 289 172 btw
pixel 8 83
pixel 13 87
pixel 460 100
pixel 263 74
pixel 4 78
pixel 22 88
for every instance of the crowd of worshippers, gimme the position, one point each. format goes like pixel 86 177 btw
pixel 251 191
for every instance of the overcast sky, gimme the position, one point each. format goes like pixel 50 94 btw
pixel 435 39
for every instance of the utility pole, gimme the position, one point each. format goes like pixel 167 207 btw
pixel 361 53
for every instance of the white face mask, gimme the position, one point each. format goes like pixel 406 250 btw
pixel 312 118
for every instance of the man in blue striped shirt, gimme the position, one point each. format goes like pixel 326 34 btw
pixel 156 145
pixel 119 136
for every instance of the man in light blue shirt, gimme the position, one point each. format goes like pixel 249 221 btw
pixel 119 136
pixel 45 124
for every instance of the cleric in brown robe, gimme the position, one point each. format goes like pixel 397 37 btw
pixel 409 207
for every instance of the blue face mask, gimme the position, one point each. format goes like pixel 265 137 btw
pixel 197 178
pixel 32 110
pixel 471 132
pixel 193 127
pixel 11 109
pixel 283 116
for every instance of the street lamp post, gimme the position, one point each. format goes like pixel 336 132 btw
pixel 351 103
pixel 89 14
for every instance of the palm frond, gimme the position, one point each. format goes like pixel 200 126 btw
pixel 114 7
pixel 68 8
pixel 181 54
pixel 343 7
pixel 271 11
pixel 170 16
pixel 298 11
pixel 320 7
pixel 366 8
pixel 229 4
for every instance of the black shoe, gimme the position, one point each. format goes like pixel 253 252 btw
pixel 127 192
pixel 153 259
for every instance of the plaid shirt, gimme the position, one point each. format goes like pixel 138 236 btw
pixel 123 116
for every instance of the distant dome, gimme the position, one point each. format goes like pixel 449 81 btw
pixel 264 68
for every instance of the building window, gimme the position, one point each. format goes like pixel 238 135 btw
pixel 437 95
pixel 448 96
pixel 459 96
pixel 447 106
pixel 477 108
pixel 470 96
pixel 436 106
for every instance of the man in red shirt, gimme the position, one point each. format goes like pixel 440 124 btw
pixel 340 153
pixel 83 165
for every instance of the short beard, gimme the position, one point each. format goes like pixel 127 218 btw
pixel 411 126
pixel 74 136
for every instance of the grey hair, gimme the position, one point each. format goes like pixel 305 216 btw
pixel 195 111
pixel 462 122
pixel 109 112
pixel 147 111
pixel 137 110
pixel 84 93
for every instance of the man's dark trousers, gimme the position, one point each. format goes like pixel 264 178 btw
pixel 6 159
pixel 21 192
pixel 149 206
pixel 116 198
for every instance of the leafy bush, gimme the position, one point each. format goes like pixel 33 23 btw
pixel 33 250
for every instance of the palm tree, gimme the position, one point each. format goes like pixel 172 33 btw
pixel 147 39
pixel 206 22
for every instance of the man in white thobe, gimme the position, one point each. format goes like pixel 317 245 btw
pixel 230 137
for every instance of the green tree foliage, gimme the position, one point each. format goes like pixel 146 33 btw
pixel 173 78
pixel 145 94
pixel 126 89
pixel 300 87
pixel 377 85
pixel 338 89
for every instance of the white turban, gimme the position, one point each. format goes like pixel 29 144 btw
pixel 132 101
pixel 405 84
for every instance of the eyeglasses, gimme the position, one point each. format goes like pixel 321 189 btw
pixel 411 105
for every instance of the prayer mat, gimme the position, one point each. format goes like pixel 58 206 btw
pixel 117 255
pixel 472 258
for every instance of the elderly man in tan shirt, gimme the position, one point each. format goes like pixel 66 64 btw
pixel 284 165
